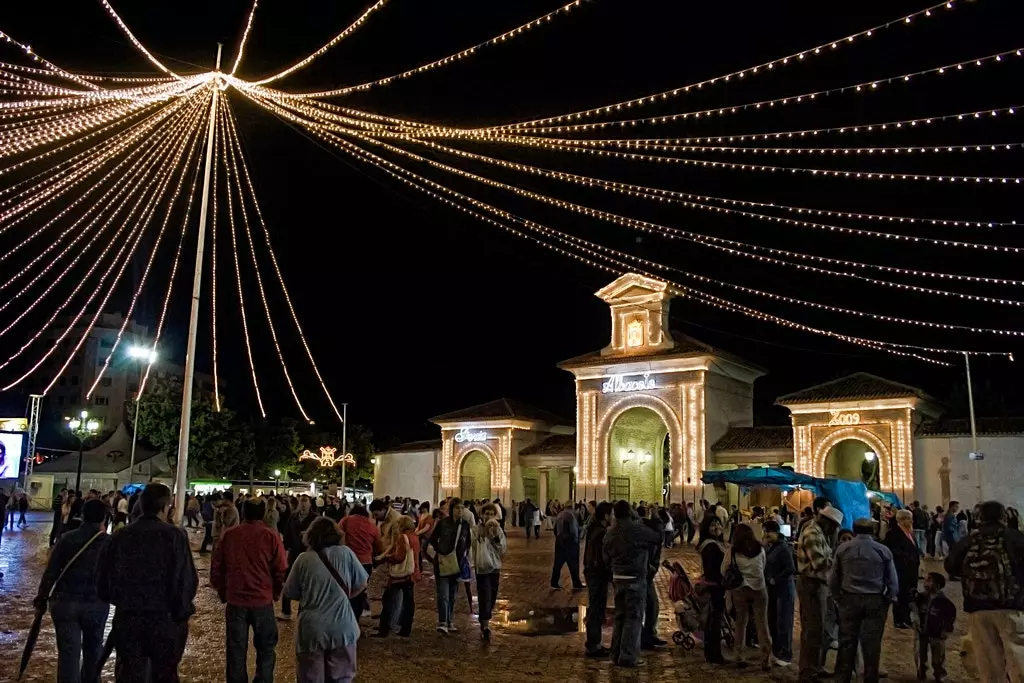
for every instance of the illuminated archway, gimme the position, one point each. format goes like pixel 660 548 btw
pixel 636 455
pixel 875 444
pixel 475 476
pixel 854 460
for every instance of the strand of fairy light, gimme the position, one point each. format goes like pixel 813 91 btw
pixel 238 267
pixel 277 269
pixel 213 264
pixel 723 302
pixel 256 268
pixel 710 300
pixel 506 187
pixel 135 41
pixel 243 41
pixel 125 190
pixel 303 63
pixel 25 212
pixel 674 197
pixel 163 169
pixel 739 74
pixel 443 61
pixel 169 208
pixel 835 228
pixel 158 196
pixel 137 228
pixel 27 49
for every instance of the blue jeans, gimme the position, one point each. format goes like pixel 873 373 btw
pixel 597 605
pixel 630 596
pixel 919 539
pixel 264 639
pixel 487 595
pixel 447 587
pixel 79 626
pixel 650 630
pixel 781 601
pixel 566 553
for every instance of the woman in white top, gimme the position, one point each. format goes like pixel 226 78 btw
pixel 749 558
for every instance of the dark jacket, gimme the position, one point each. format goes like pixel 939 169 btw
pixel 779 563
pixel 712 555
pixel 79 583
pixel 654 552
pixel 593 557
pixel 935 614
pixel 626 547
pixel 1014 540
pixel 905 557
pixel 147 569
pixel 442 538
pixel 293 536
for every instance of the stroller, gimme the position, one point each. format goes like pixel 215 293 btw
pixel 692 606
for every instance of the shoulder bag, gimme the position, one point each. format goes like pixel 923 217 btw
pixel 333 571
pixel 732 578
pixel 407 566
pixel 448 563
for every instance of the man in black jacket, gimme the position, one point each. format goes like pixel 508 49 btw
pixel 79 616
pixel 598 575
pixel 147 573
pixel 299 521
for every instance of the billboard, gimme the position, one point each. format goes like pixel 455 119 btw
pixel 11 451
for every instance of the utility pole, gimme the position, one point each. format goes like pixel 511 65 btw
pixel 181 475
pixel 344 438
pixel 974 428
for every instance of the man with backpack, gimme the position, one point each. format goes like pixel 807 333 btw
pixel 990 562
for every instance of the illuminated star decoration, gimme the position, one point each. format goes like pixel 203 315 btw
pixel 327 457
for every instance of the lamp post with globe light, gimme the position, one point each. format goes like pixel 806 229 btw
pixel 140 353
pixel 277 480
pixel 82 427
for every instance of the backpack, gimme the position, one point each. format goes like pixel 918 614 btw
pixel 988 571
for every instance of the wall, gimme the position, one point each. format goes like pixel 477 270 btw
pixel 477 466
pixel 642 431
pixel 727 403
pixel 408 473
pixel 1002 476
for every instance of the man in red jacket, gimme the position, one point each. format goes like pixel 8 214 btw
pixel 248 570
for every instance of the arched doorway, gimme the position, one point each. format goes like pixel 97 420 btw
pixel 637 446
pixel 475 476
pixel 854 460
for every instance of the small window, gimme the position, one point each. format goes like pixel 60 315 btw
pixel 107 381
pixel 102 401
pixel 62 381
pixel 74 380
pixel 60 400
pixel 133 388
pixel 634 334
pixel 73 400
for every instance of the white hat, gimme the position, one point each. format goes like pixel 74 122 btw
pixel 835 514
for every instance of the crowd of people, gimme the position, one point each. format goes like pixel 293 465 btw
pixel 126 552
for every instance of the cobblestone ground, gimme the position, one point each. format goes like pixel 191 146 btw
pixel 537 635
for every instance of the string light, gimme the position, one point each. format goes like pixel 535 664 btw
pixel 241 43
pixel 303 63
pixel 444 61
pixel 135 41
pixel 749 71
pixel 277 270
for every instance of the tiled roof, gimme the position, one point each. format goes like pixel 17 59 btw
pixel 508 408
pixel 755 439
pixel 556 444
pixel 856 387
pixel 424 445
pixel 685 345
pixel 990 426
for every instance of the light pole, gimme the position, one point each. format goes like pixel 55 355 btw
pixel 975 456
pixel 344 438
pixel 277 480
pixel 82 427
pixel 149 355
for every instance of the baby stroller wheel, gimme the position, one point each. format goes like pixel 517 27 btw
pixel 678 637
pixel 689 643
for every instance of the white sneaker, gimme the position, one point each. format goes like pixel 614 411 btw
pixel 452 629
pixel 780 662
pixel 441 628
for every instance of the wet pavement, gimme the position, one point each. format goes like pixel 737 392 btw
pixel 537 632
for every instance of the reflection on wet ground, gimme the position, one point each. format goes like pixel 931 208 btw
pixel 544 621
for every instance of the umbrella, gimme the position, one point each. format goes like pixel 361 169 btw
pixel 30 642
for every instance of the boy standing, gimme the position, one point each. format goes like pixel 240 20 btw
pixel 935 616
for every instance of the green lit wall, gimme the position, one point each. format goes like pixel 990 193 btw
pixel 642 431
pixel 477 466
pixel 846 461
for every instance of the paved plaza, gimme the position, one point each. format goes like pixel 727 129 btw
pixel 536 631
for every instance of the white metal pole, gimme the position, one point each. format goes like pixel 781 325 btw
pixel 974 428
pixel 181 476
pixel 344 439
pixel 135 428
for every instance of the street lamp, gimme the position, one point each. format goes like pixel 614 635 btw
pixel 277 480
pixel 140 353
pixel 82 427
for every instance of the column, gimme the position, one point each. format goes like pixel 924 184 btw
pixel 542 487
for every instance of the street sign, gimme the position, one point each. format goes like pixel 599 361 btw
pixel 975 456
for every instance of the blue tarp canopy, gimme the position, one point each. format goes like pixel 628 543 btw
pixel 130 489
pixel 759 476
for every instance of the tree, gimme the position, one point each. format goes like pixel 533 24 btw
pixel 267 446
pixel 214 439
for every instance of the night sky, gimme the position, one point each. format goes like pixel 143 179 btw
pixel 413 309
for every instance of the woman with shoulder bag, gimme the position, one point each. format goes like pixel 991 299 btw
pixel 745 565
pixel 402 558
pixel 712 551
pixel 323 580
pixel 450 542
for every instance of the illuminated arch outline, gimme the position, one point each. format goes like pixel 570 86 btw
pixel 859 434
pixel 662 409
pixel 467 448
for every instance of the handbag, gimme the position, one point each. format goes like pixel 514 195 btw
pixel 448 563
pixel 407 566
pixel 732 578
